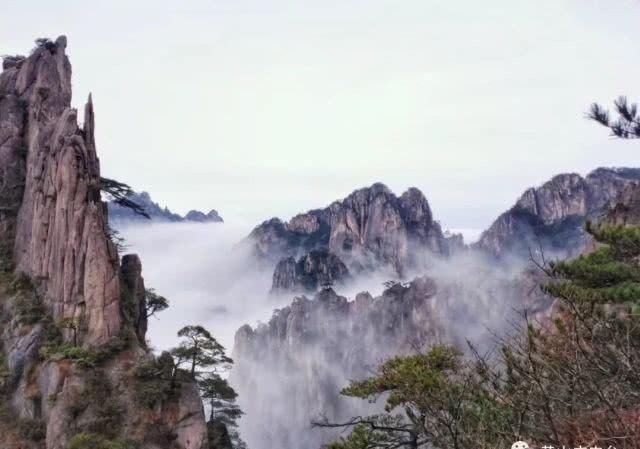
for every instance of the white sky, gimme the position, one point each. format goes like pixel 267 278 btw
pixel 269 107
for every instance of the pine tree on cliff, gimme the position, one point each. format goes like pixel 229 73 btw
pixel 121 194
pixel 220 398
pixel 199 349
pixel 205 359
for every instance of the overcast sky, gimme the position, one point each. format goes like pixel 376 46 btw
pixel 265 107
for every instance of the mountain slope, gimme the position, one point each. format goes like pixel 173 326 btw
pixel 290 370
pixel 312 348
pixel 72 326
pixel 552 216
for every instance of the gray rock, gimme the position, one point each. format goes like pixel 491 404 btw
pixel 188 424
pixel 552 216
pixel 626 210
pixel 211 217
pixel 22 350
pixel 312 271
pixel 312 348
pixel 370 228
pixel 133 291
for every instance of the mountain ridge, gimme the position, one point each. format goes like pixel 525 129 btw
pixel 551 217
pixel 157 213
pixel 369 229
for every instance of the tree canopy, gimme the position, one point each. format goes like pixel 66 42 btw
pixel 200 350
pixel 154 302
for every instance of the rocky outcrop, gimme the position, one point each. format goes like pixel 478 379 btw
pixel 121 215
pixel 312 348
pixel 59 231
pixel 315 269
pixel 12 160
pixel 552 216
pixel 200 217
pixel 73 318
pixel 370 228
pixel 133 292
pixel 627 207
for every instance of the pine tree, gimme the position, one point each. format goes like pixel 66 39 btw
pixel 626 125
pixel 206 360
pixel 200 350
pixel 220 398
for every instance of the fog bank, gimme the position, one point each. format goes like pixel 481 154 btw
pixel 207 278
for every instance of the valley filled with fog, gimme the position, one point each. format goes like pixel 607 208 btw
pixel 209 279
pixel 319 225
pixel 205 276
pixel 212 279
pixel 307 305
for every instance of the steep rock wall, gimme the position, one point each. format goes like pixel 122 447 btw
pixel 370 229
pixel 58 265
pixel 311 271
pixel 60 233
pixel 552 216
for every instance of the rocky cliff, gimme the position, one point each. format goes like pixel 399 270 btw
pixel 315 269
pixel 552 216
pixel 627 207
pixel 121 215
pixel 290 370
pixel 72 328
pixel 370 229
pixel 312 348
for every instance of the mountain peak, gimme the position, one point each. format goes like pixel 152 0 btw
pixel 552 215
pixel 368 229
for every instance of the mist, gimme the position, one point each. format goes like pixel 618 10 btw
pixel 289 372
pixel 298 353
pixel 208 278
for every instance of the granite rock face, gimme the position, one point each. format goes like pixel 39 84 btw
pixel 121 215
pixel 59 265
pixel 627 207
pixel 552 216
pixel 369 229
pixel 60 237
pixel 312 271
pixel 134 291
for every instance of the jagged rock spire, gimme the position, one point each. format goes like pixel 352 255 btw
pixel 60 227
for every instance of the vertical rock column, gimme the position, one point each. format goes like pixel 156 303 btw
pixel 60 230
